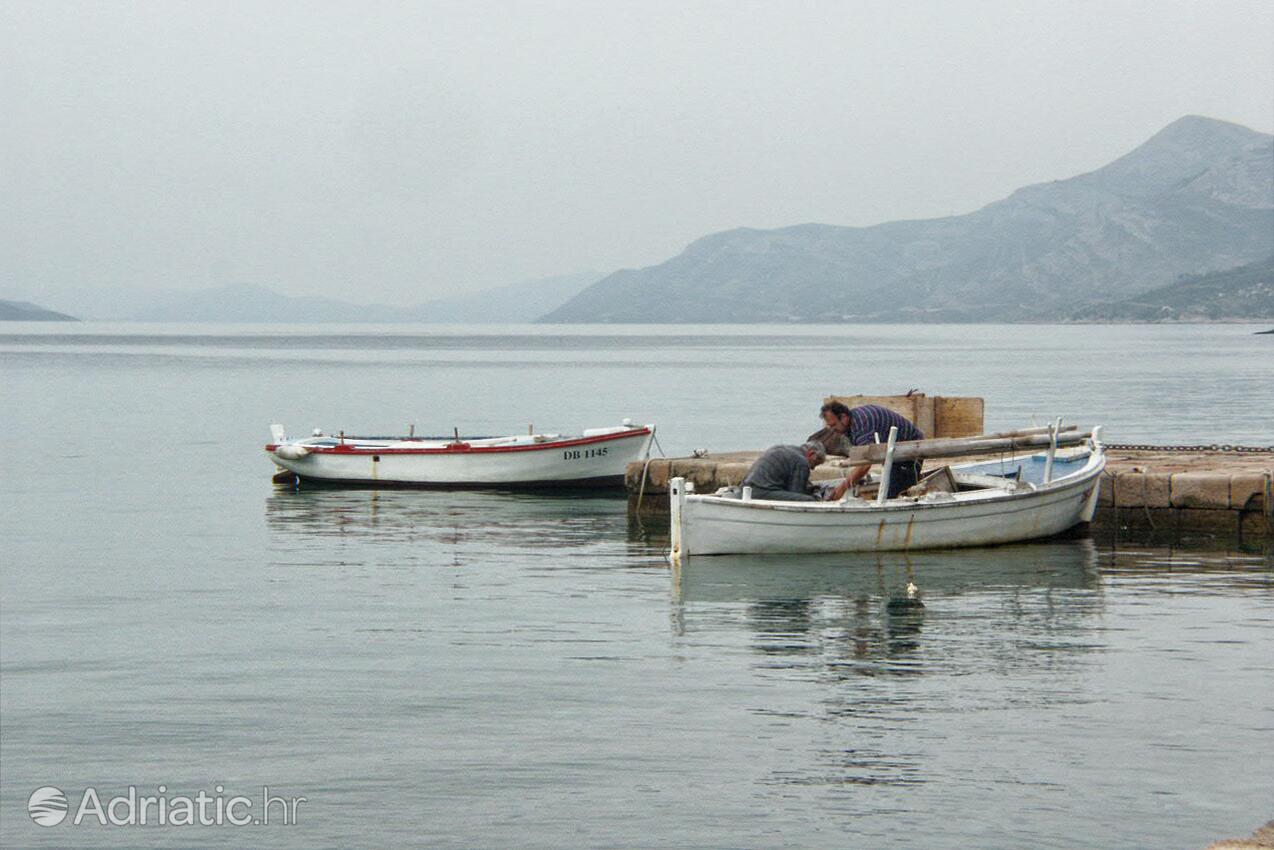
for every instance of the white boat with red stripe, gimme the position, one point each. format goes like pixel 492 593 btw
pixel 595 458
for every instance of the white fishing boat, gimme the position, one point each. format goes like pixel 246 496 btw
pixel 1003 501
pixel 595 458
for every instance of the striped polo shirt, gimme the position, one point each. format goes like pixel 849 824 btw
pixel 871 421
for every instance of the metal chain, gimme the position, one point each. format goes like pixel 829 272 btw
pixel 1214 447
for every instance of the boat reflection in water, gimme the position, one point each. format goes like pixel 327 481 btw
pixel 837 652
pixel 468 517
pixel 854 615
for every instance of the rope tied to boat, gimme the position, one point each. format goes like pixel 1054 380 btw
pixel 645 468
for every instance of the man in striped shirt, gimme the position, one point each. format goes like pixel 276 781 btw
pixel 867 424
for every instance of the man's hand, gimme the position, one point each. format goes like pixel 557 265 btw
pixel 840 491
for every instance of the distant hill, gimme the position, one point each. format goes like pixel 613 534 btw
pixel 23 311
pixel 516 303
pixel 1241 294
pixel 247 303
pixel 1198 196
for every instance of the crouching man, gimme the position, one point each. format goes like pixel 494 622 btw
pixel 782 473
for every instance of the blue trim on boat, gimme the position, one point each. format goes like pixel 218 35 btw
pixel 1030 469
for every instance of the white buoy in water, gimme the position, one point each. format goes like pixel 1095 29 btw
pixel 906 604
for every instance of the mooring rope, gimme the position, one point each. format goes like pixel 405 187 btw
pixel 645 469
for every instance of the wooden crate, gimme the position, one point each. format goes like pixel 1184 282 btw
pixel 956 416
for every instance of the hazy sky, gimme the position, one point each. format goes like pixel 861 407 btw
pixel 400 151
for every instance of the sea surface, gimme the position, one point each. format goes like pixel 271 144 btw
pixel 474 670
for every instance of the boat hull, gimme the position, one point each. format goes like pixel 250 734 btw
pixel 588 462
pixel 711 525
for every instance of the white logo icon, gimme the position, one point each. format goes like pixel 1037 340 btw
pixel 47 806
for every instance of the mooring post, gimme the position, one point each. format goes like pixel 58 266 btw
pixel 888 467
pixel 1053 431
pixel 676 498
pixel 1269 502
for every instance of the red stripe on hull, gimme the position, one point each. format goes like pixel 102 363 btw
pixel 605 482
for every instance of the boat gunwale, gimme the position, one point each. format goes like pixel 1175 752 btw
pixel 462 447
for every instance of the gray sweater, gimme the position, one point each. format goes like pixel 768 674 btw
pixel 780 468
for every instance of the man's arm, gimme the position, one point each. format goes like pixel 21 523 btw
pixel 858 473
pixel 855 475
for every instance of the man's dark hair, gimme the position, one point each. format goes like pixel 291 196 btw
pixel 836 408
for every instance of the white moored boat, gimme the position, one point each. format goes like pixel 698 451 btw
pixel 1003 501
pixel 595 458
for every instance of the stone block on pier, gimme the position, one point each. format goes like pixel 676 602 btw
pixel 1247 491
pixel 1129 490
pixel 1158 489
pixel 657 476
pixel 732 474
pixel 701 472
pixel 1106 490
pixel 1205 490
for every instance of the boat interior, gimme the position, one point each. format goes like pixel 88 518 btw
pixel 1007 474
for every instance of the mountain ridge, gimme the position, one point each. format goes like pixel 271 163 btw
pixel 1196 196
pixel 25 311
pixel 1244 293
pixel 515 303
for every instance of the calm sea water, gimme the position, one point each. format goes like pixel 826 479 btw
pixel 495 670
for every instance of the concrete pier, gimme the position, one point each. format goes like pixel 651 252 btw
pixel 1147 495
